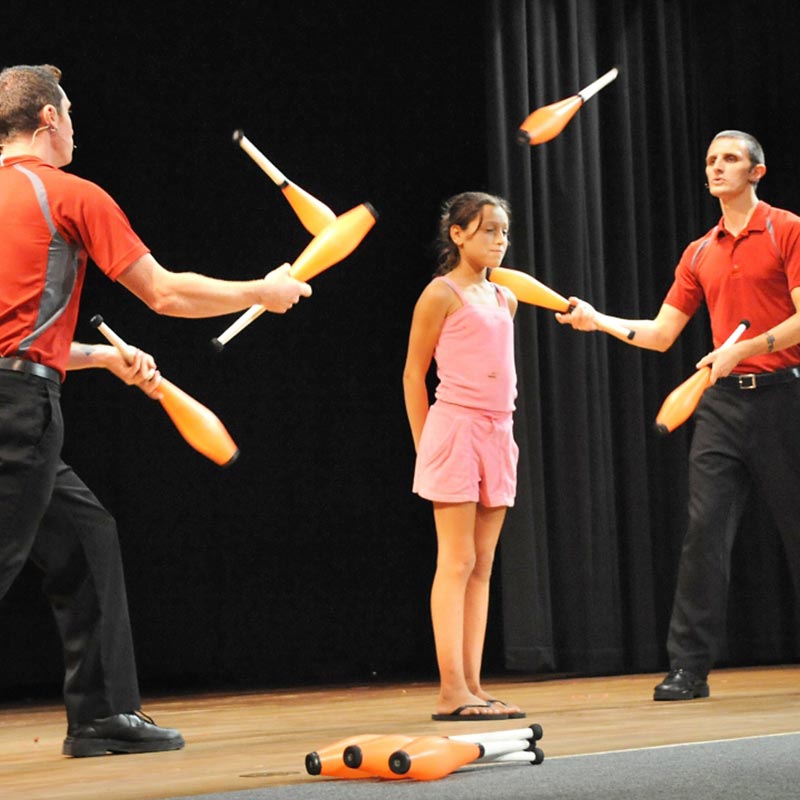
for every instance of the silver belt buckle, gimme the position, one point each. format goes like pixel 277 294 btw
pixel 747 381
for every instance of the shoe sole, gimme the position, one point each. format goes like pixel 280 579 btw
pixel 687 695
pixel 83 748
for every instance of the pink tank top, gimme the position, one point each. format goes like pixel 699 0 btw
pixel 475 355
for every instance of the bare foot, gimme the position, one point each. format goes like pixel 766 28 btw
pixel 500 705
pixel 467 705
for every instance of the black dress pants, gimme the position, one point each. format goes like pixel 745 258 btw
pixel 744 441
pixel 48 515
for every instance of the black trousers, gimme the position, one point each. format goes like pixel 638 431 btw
pixel 48 515
pixel 744 440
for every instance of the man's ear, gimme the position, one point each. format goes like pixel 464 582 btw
pixel 48 115
pixel 757 173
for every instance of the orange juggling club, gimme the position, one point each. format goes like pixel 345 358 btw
pixel 335 242
pixel 312 213
pixel 197 424
pixel 548 121
pixel 681 402
pixel 527 289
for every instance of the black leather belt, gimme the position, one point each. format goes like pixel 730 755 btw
pixel 31 367
pixel 756 380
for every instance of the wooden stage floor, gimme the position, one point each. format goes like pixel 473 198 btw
pixel 250 740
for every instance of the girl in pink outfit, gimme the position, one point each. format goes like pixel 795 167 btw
pixel 466 454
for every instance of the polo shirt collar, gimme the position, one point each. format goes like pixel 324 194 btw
pixel 757 222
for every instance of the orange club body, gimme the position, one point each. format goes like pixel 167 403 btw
pixel 335 242
pixel 529 290
pixel 547 122
pixel 198 425
pixel 313 214
pixel 681 402
pixel 429 758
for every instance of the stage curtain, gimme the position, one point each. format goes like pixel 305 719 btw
pixel 588 558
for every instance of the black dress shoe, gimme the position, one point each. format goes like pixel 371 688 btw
pixel 681 684
pixel 132 732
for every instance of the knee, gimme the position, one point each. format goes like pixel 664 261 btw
pixel 456 568
pixel 482 569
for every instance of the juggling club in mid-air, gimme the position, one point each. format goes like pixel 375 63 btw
pixel 312 213
pixel 546 122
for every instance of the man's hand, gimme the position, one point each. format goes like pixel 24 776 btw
pixel 722 361
pixel 141 372
pixel 583 316
pixel 281 291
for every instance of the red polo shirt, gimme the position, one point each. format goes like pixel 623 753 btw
pixel 749 276
pixel 51 223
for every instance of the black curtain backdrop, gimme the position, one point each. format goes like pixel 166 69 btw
pixel 309 560
pixel 590 552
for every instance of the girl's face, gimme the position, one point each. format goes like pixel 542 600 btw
pixel 483 243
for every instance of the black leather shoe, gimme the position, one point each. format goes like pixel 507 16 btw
pixel 681 684
pixel 132 732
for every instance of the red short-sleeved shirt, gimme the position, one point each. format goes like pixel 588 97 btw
pixel 51 223
pixel 749 276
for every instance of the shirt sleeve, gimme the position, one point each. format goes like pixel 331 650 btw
pixel 790 249
pixel 96 221
pixel 686 294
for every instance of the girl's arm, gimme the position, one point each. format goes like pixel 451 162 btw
pixel 511 299
pixel 434 304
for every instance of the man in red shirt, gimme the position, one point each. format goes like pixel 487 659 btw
pixel 747 424
pixel 51 224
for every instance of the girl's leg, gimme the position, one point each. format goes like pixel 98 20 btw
pixel 488 524
pixel 456 560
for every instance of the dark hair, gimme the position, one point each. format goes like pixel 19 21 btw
pixel 461 210
pixel 24 92
pixel 754 149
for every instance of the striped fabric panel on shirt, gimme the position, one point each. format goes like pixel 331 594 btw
pixel 62 268
pixel 711 234
pixel 771 232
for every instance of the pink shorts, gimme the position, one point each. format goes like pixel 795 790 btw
pixel 467 455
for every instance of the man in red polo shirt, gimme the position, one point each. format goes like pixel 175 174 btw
pixel 747 425
pixel 51 224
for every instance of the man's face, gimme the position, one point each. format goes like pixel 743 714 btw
pixel 62 139
pixel 729 172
